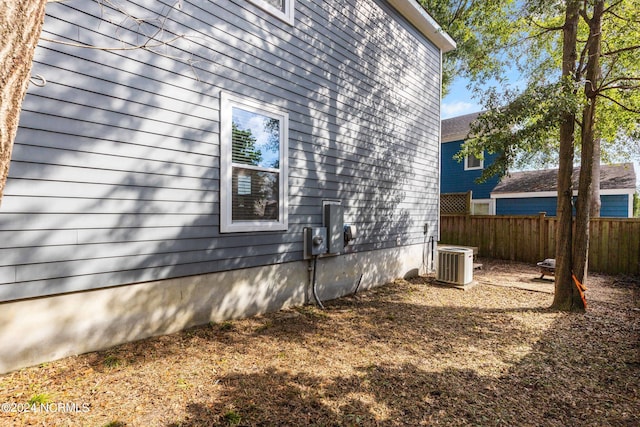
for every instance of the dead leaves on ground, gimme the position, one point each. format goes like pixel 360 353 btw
pixel 408 353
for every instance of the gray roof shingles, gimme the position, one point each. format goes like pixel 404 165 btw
pixel 457 128
pixel 612 177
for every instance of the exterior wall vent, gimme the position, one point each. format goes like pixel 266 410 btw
pixel 455 265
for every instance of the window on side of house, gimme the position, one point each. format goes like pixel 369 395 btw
pixel 253 165
pixel 483 207
pixel 281 9
pixel 471 162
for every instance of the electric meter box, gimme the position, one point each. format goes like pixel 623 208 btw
pixel 350 233
pixel 315 241
pixel 334 222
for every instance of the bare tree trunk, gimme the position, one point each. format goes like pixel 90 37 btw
pixel 564 288
pixel 585 188
pixel 20 27
pixel 596 204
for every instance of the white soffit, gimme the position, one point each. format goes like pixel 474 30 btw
pixel 415 14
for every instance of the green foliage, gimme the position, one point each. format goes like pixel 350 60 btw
pixel 636 205
pixel 232 418
pixel 244 146
pixel 226 326
pixel 112 361
pixel 479 29
pixel 523 133
pixel 523 122
pixel 40 399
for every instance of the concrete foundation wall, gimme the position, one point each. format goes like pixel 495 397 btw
pixel 43 329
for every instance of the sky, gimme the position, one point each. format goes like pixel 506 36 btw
pixel 459 102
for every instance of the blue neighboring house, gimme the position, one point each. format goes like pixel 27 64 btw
pixel 523 193
pixel 460 176
pixel 530 192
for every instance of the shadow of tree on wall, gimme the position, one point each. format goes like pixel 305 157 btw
pixel 115 176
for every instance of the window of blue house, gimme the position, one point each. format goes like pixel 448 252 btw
pixel 483 207
pixel 281 9
pixel 471 162
pixel 253 165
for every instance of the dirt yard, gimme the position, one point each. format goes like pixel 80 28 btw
pixel 408 353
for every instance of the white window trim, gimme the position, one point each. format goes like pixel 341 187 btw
pixel 466 164
pixel 227 225
pixel 490 202
pixel 286 16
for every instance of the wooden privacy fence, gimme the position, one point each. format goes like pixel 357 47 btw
pixel 614 245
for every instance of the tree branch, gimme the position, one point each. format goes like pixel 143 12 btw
pixel 611 7
pixel 624 49
pixel 612 83
pixel 535 36
pixel 151 42
pixel 546 29
pixel 609 70
pixel 462 5
pixel 581 65
pixel 619 104
pixel 622 18
pixel 620 87
pixel 583 12
pixel 145 46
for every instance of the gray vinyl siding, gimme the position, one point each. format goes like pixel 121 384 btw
pixel 115 177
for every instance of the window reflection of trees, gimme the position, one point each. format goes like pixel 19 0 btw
pixel 278 4
pixel 255 192
pixel 243 145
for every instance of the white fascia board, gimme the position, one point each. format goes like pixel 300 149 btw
pixel 415 14
pixel 526 195
pixel 460 136
pixel 629 191
pixel 612 192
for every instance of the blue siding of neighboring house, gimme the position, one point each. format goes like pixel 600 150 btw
pixel 115 176
pixel 454 179
pixel 526 206
pixel 615 205
pixel 612 206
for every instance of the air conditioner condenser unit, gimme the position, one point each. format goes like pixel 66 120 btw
pixel 455 265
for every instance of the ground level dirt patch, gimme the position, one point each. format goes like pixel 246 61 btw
pixel 408 353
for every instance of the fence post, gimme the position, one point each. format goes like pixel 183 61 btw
pixel 542 240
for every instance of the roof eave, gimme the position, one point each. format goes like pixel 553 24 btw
pixel 458 136
pixel 554 193
pixel 415 14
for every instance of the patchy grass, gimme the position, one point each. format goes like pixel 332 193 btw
pixel 112 361
pixel 39 399
pixel 408 353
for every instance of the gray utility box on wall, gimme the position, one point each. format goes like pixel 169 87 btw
pixel 334 222
pixel 315 241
